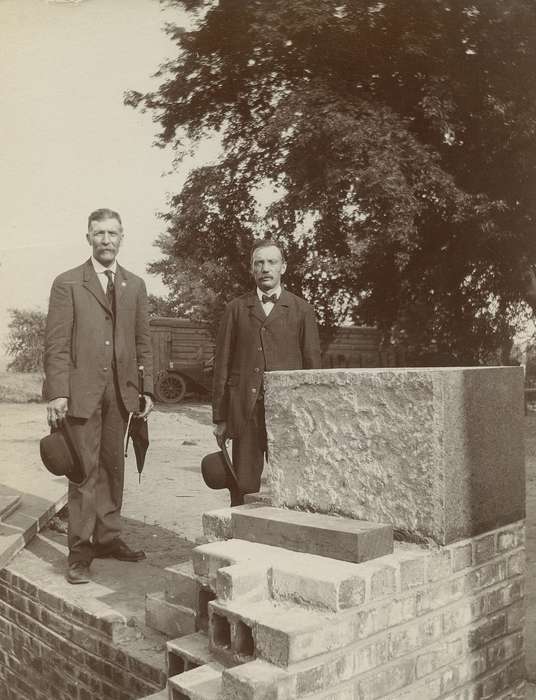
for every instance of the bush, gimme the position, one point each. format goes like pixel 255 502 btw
pixel 26 340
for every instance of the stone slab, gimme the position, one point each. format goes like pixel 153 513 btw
pixel 436 452
pixel 313 533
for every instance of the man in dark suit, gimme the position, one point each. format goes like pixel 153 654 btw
pixel 97 334
pixel 269 329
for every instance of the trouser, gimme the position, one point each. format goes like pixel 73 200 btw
pixel 95 504
pixel 249 450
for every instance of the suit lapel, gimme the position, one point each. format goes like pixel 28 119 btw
pixel 121 283
pixel 255 308
pixel 92 284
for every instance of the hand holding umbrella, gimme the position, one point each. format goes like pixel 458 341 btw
pixel 137 427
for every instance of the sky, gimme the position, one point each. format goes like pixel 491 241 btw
pixel 68 143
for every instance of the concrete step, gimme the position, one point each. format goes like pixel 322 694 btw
pixel 182 585
pixel 24 515
pixel 313 533
pixel 217 524
pixel 161 695
pixel 264 496
pixel 202 683
pixel 9 501
pixel 278 633
pixel 168 618
pixel 188 652
pixel 238 569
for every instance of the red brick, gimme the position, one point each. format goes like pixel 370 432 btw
pixel 517 563
pixel 429 661
pixel 412 573
pixel 462 557
pixel 516 616
pixel 507 540
pixel 386 680
pixel 487 630
pixel 382 582
pixel 484 548
pixel 439 565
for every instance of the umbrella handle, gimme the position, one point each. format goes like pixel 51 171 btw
pixel 141 387
pixel 229 464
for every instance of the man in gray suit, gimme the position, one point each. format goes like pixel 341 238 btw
pixel 268 329
pixel 97 334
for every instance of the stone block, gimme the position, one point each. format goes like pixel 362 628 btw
pixel 257 680
pixel 436 452
pixel 248 580
pixel 282 633
pixel 187 652
pixel 182 585
pixel 202 683
pixel 304 581
pixel 217 523
pixel 207 559
pixel 161 695
pixel 313 533
pixel 168 618
pixel 264 497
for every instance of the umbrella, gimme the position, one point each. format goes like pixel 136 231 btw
pixel 229 465
pixel 138 430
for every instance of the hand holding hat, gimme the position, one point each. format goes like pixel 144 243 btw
pixel 60 455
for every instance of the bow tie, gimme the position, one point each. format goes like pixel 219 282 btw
pixel 265 298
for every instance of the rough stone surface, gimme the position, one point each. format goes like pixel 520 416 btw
pixel 313 533
pixel 438 452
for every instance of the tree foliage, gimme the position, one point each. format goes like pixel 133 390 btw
pixel 26 340
pixel 392 144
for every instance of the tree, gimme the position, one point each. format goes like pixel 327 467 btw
pixel 397 140
pixel 26 340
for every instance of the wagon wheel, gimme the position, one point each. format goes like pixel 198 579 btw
pixel 170 388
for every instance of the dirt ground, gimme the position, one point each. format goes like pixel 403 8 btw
pixel 162 514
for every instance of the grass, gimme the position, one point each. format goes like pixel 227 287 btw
pixel 20 387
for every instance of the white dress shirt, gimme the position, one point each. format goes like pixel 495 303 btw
pixel 269 305
pixel 100 270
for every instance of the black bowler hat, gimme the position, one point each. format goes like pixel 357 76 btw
pixel 60 455
pixel 217 470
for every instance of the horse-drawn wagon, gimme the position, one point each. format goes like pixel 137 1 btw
pixel 183 354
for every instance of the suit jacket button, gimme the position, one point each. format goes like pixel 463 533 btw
pixel 254 391
pixel 107 342
pixel 259 349
pixel 257 369
pixel 105 369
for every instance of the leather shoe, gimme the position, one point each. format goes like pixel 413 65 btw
pixel 78 572
pixel 117 549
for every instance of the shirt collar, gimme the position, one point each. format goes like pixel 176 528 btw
pixel 100 269
pixel 276 291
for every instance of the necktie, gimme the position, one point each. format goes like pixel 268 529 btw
pixel 265 298
pixel 110 290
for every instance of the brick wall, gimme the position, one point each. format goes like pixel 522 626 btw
pixel 428 623
pixel 52 650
